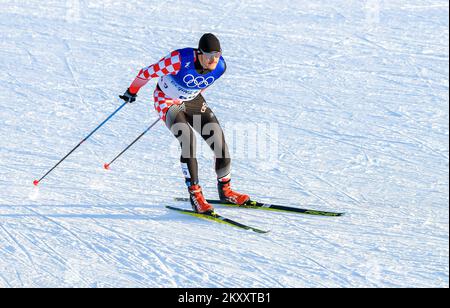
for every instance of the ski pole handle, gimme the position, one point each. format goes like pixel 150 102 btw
pixel 106 166
pixel 36 182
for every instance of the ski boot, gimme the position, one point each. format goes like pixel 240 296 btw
pixel 198 202
pixel 226 194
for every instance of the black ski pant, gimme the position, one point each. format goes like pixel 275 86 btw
pixel 192 115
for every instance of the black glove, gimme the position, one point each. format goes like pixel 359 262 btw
pixel 128 96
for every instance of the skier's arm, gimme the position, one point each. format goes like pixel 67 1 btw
pixel 169 65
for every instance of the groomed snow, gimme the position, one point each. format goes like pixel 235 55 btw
pixel 354 96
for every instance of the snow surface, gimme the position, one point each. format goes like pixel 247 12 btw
pixel 355 94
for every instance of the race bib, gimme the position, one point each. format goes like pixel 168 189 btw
pixel 172 89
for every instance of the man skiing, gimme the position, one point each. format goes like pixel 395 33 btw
pixel 183 75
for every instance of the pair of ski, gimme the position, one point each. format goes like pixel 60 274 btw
pixel 251 205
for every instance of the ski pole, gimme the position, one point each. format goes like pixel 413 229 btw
pixel 36 182
pixel 106 166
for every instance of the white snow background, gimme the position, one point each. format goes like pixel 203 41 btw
pixel 356 93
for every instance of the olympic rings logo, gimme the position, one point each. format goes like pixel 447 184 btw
pixel 200 82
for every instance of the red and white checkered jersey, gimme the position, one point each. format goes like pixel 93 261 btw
pixel 169 65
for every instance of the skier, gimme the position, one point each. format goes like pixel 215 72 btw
pixel 183 75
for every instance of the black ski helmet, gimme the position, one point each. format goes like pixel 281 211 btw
pixel 209 43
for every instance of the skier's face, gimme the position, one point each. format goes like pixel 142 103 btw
pixel 210 60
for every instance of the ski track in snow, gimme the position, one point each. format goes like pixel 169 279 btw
pixel 360 100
